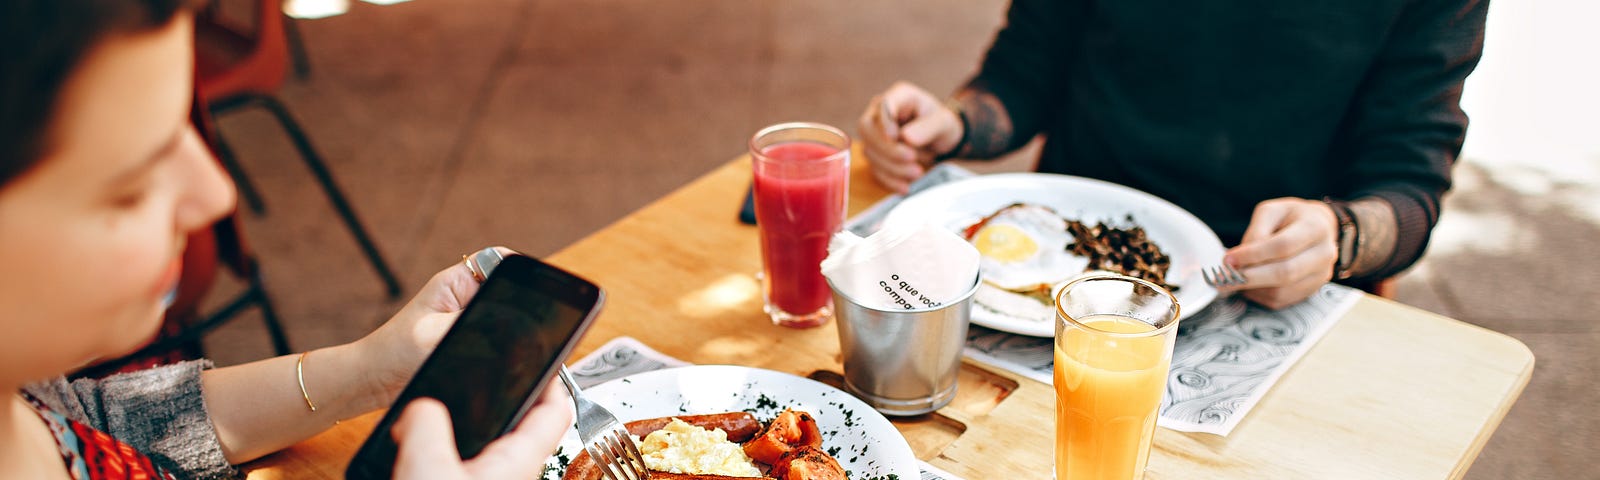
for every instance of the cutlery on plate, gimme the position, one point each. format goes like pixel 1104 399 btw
pixel 1221 276
pixel 604 437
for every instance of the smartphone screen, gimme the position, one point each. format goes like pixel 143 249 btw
pixel 490 366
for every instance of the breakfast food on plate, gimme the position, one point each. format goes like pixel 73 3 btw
pixel 792 446
pixel 1027 250
pixel 683 448
pixel 1127 251
pixel 791 430
pixel 726 445
pixel 809 462
pixel 740 426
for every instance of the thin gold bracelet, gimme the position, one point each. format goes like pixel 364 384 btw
pixel 300 374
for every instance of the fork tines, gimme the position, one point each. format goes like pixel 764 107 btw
pixel 607 443
pixel 617 456
pixel 1222 276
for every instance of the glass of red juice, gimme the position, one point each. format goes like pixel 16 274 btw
pixel 802 171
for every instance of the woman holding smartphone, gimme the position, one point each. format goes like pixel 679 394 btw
pixel 102 178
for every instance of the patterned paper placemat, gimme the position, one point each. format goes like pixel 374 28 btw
pixel 623 356
pixel 1226 358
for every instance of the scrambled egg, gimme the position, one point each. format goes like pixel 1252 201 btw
pixel 684 448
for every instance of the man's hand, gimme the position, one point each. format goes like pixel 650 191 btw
pixel 902 130
pixel 1288 251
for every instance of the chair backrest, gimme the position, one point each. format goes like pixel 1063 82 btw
pixel 235 57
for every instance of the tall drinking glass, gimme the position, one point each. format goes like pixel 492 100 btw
pixel 1114 338
pixel 801 174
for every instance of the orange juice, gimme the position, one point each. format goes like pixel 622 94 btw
pixel 1109 379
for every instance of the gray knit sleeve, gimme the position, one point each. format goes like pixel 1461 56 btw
pixel 159 411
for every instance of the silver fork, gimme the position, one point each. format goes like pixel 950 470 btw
pixel 1223 276
pixel 607 442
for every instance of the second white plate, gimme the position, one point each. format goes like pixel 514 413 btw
pixel 1183 237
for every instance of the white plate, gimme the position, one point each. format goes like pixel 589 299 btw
pixel 864 442
pixel 957 205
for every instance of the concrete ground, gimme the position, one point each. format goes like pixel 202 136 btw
pixel 458 124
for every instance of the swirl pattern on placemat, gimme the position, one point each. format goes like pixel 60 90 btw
pixel 619 358
pixel 1225 359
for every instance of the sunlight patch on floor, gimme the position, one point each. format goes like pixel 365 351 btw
pixel 1477 233
pixel 1584 202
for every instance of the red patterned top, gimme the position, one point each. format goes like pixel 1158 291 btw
pixel 92 454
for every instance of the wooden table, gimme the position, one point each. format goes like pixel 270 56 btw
pixel 1390 392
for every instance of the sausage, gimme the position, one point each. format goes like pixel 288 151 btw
pixel 654 475
pixel 583 468
pixel 740 426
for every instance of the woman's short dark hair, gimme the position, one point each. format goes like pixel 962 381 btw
pixel 41 43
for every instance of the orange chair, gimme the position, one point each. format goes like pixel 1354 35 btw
pixel 241 66
pixel 1385 288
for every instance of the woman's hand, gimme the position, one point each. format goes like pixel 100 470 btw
pixel 397 348
pixel 428 445
pixel 1288 251
pixel 902 131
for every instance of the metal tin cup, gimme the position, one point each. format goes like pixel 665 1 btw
pixel 902 362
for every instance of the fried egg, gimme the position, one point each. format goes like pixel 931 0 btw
pixel 1023 248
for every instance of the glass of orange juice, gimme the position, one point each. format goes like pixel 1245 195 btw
pixel 1114 339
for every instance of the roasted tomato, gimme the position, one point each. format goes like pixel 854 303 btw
pixel 808 463
pixel 792 429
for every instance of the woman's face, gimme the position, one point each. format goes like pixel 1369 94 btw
pixel 91 236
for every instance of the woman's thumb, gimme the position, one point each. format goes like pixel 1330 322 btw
pixel 426 439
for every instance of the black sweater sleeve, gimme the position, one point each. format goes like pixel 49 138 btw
pixel 1023 70
pixel 1405 126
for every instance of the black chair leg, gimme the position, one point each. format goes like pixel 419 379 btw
pixel 297 48
pixel 324 178
pixel 280 341
pixel 247 190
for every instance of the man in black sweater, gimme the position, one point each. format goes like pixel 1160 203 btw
pixel 1315 136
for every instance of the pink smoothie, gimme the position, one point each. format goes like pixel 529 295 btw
pixel 798 210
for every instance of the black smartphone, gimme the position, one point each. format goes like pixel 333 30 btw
pixel 493 363
pixel 747 213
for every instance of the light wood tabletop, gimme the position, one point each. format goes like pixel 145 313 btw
pixel 1391 391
